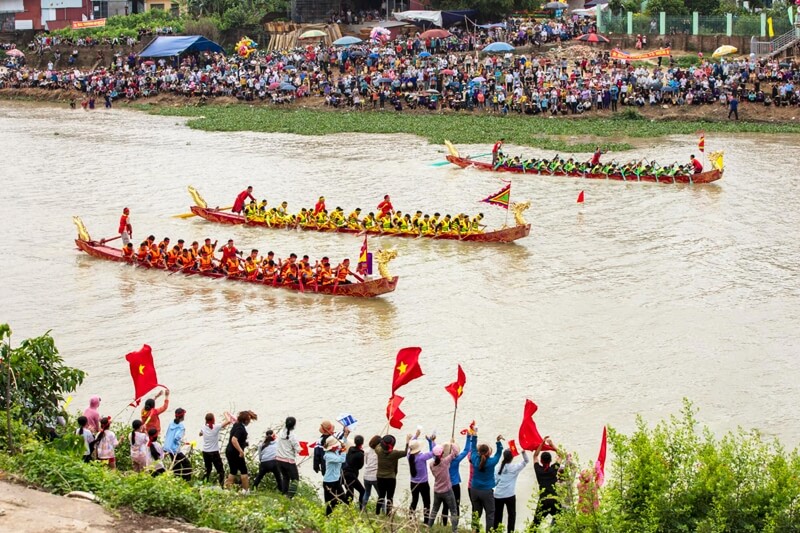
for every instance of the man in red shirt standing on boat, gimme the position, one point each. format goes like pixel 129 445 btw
pixel 496 151
pixel 385 207
pixel 229 251
pixel 698 166
pixel 125 228
pixel 596 157
pixel 320 205
pixel 238 205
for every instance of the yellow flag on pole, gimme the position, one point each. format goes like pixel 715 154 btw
pixel 769 28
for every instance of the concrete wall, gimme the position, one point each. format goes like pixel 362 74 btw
pixel 687 43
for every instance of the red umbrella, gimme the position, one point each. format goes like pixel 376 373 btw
pixel 439 34
pixel 592 38
pixel 273 86
pixel 448 72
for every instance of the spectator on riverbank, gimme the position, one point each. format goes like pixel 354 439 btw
pixel 210 448
pixel 92 414
pixel 234 452
pixel 286 456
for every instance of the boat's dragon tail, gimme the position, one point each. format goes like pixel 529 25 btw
pixel 452 149
pixel 197 198
pixel 83 233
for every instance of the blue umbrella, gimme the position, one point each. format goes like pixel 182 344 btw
pixel 374 56
pixel 289 67
pixel 356 53
pixel 425 54
pixel 286 87
pixel 385 80
pixel 346 41
pixel 499 47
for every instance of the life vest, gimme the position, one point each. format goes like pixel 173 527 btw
pixel 250 269
pixel 143 251
pixel 155 256
pixel 341 273
pixel 172 258
pixel 127 253
pixel 233 265
pixel 325 275
pixel 387 223
pixel 206 263
pixel 194 254
pixel 209 249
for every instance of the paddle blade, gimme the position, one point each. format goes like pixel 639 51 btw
pixel 184 215
pixel 440 163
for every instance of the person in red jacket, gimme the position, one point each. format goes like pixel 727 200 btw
pixel 125 229
pixel 238 205
pixel 698 166
pixel 385 207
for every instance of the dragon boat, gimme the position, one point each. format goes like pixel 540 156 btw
pixel 369 288
pixel 714 174
pixel 506 234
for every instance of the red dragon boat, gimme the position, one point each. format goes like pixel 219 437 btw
pixel 367 289
pixel 518 231
pixel 704 177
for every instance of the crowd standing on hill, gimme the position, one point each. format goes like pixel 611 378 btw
pixel 435 74
pixel 340 458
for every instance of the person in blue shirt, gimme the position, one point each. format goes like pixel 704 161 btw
pixel 331 481
pixel 483 480
pixel 172 445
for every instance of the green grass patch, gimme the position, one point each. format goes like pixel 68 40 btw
pixel 557 134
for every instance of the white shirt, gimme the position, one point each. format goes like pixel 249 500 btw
pixel 211 437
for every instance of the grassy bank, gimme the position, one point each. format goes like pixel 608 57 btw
pixel 539 132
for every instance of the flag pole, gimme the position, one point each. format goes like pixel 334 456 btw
pixel 505 224
pixel 453 433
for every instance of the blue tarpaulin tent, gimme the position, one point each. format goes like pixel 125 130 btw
pixel 175 46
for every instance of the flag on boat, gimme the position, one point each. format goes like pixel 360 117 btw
pixel 364 259
pixel 701 144
pixel 456 388
pixel 580 197
pixel 501 198
pixel 529 437
pixel 406 368
pixel 393 413
pixel 143 373
pixel 716 160
pixel 600 464
pixel 512 445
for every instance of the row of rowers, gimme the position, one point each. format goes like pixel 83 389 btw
pixel 254 268
pixel 387 220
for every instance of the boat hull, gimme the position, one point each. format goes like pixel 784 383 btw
pixel 502 235
pixel 703 177
pixel 366 289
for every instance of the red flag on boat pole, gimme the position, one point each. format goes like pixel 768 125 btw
pixel 580 197
pixel 143 373
pixel 701 144
pixel 406 368
pixel 600 465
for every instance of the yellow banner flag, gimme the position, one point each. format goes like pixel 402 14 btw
pixel 769 27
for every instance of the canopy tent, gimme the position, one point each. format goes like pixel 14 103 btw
pixel 175 46
pixel 442 19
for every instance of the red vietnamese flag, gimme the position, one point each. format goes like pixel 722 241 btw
pixel 456 388
pixel 406 368
pixel 143 372
pixel 600 465
pixel 471 428
pixel 303 449
pixel 701 144
pixel 512 445
pixel 529 438
pixel 580 197
pixel 393 413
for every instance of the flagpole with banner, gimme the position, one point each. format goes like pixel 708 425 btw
pixel 456 389
pixel 501 198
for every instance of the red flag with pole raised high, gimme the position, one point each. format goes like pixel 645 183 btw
pixel 600 465
pixel 393 413
pixel 143 372
pixel 529 438
pixel 406 368
pixel 456 388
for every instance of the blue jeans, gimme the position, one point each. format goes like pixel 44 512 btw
pixel 368 485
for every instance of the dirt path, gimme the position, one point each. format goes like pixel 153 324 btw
pixel 24 510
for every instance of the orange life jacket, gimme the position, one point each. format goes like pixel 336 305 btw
pixel 127 253
pixel 251 269
pixel 233 265
pixel 143 251
pixel 206 263
pixel 341 273
pixel 172 258
pixel 209 249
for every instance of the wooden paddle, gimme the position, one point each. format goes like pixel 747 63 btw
pixel 190 215
pixel 443 163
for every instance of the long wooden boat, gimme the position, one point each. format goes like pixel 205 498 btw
pixel 367 289
pixel 465 162
pixel 510 234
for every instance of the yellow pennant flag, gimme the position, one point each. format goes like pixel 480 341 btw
pixel 769 27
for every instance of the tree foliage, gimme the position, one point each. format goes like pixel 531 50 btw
pixel 40 381
pixel 704 7
pixel 489 9
pixel 670 7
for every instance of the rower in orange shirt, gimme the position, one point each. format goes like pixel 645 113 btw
pixel 206 262
pixel 144 249
pixel 290 271
pixel 194 251
pixel 127 252
pixel 186 261
pixel 324 272
pixel 209 248
pixel 250 268
pixel 231 267
pixel 172 256
pixel 342 271
pixel 164 244
pixel 156 257
pixel 269 271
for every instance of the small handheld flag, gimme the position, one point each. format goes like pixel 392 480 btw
pixel 512 445
pixel 580 197
pixel 393 413
pixel 469 429
pixel 501 198
pixel 456 388
pixel 303 449
pixel 143 373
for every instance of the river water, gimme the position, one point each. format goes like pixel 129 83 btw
pixel 641 296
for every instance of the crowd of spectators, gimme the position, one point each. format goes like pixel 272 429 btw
pixel 433 74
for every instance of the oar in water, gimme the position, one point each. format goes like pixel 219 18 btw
pixel 190 215
pixel 443 163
